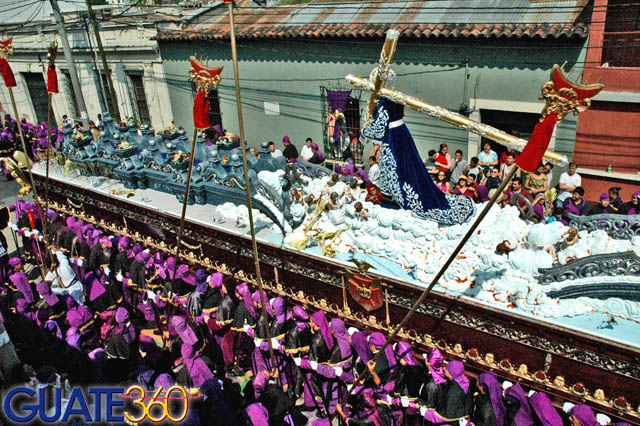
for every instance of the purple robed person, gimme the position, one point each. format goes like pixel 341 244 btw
pixel 544 410
pixel 20 280
pixel 124 327
pixel 435 359
pixel 261 360
pixel 218 410
pixel 258 414
pixel 523 416
pixel 244 319
pixel 385 364
pixel 279 328
pixel 584 414
pixel 361 346
pixel 45 291
pixel 492 388
pixel 456 402
pixel 165 380
pixel 183 330
pixel 198 370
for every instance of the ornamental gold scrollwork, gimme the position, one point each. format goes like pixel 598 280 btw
pixel 206 78
pixel 563 96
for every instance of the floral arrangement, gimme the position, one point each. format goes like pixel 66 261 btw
pixel 179 157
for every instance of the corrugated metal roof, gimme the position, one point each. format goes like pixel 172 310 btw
pixel 448 18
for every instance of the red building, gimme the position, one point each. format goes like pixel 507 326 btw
pixel 609 132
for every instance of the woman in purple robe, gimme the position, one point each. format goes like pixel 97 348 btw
pixel 374 414
pixel 518 408
pixel 489 407
pixel 359 343
pixel 544 410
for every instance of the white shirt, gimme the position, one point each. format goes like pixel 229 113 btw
pixel 549 179
pixel 276 153
pixel 567 180
pixel 67 276
pixel 306 153
pixel 374 173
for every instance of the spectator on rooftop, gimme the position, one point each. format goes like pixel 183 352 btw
pixel 516 188
pixel 548 170
pixel 443 162
pixel 374 170
pixel 492 181
pixel 442 182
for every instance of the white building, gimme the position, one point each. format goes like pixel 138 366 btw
pixel 136 67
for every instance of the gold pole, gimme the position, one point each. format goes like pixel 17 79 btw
pixel 451 117
pixel 45 219
pixel 33 185
pixel 247 188
pixel 184 205
pixel 437 277
pixel 386 305
pixel 344 296
pixel 382 71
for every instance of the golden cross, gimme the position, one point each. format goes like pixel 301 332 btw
pixel 375 84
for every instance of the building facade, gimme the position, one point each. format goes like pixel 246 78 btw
pixel 608 140
pixel 136 67
pixel 491 67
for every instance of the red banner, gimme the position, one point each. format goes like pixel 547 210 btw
pixel 201 111
pixel 7 73
pixel 52 79
pixel 538 143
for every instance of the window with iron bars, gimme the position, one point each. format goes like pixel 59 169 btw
pixel 351 136
pixel 215 115
pixel 139 98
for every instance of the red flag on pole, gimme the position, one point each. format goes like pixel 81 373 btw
pixel 7 74
pixel 52 79
pixel 562 96
pixel 206 79
pixel 538 143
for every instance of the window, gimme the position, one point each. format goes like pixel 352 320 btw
pixel 214 108
pixel 518 124
pixel 37 88
pixel 621 46
pixel 138 97
pixel 72 102
pixel 351 126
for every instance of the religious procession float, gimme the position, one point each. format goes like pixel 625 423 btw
pixel 555 310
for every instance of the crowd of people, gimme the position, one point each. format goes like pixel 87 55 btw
pixel 109 311
pixel 483 175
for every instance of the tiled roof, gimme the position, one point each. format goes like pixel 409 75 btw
pixel 479 19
